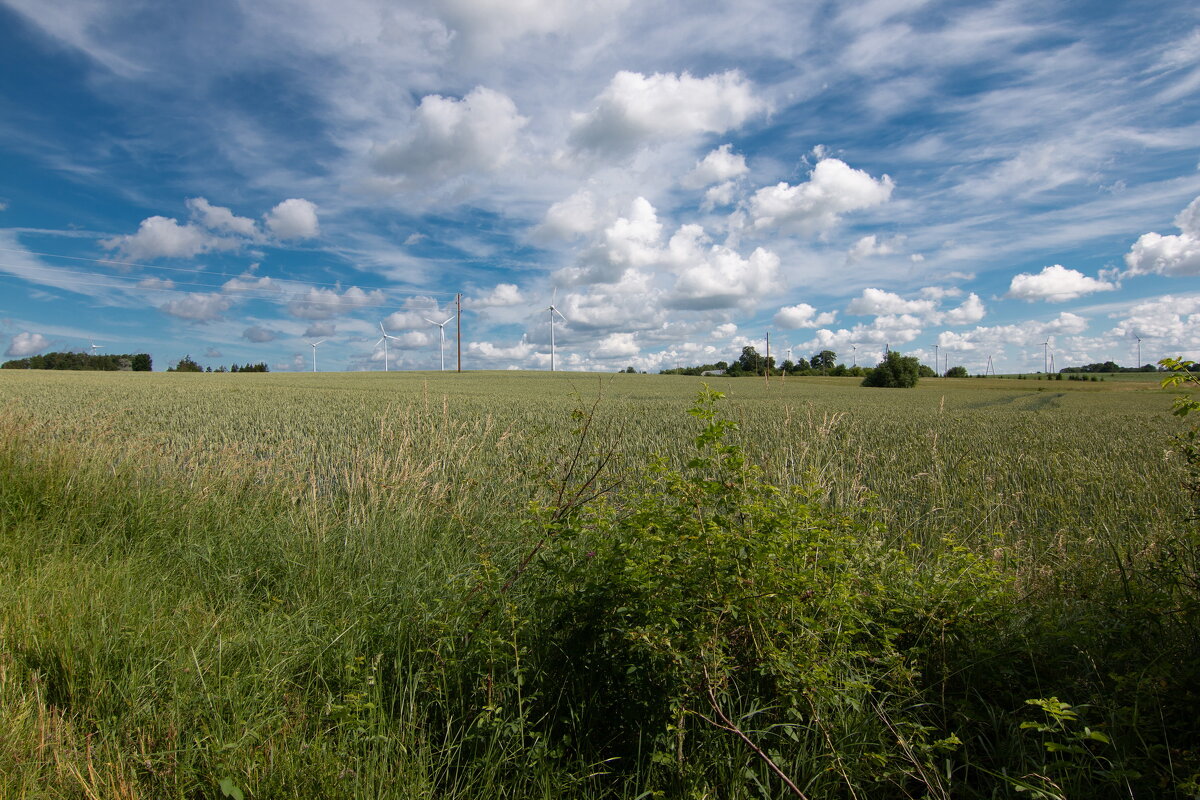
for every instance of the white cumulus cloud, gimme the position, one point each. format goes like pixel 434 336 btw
pixel 218 218
pixel 616 345
pixel 164 237
pixel 878 302
pixel 1055 284
pixel 294 218
pixel 452 137
pixel 570 217
pixel 325 303
pixel 502 295
pixel 718 166
pixel 258 334
pixel 1174 255
pixel 834 188
pixel 803 315
pixel 717 276
pixel 635 109
pixel 26 344
pixel 198 306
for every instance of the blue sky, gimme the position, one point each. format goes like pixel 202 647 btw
pixel 233 180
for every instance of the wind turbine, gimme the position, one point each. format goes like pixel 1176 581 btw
pixel 96 347
pixel 854 354
pixel 1139 364
pixel 383 339
pixel 1046 356
pixel 937 369
pixel 314 347
pixel 553 310
pixel 442 328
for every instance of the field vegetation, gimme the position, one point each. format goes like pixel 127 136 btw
pixel 555 585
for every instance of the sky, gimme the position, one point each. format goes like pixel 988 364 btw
pixel 1003 182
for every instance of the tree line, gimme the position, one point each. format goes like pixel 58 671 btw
pixel 188 364
pixel 824 362
pixel 112 362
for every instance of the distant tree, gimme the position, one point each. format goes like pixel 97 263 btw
pixel 824 360
pixel 894 372
pixel 750 362
pixel 630 370
pixel 142 363
pixel 788 366
pixel 802 365
pixel 957 372
pixel 186 364
pixel 925 371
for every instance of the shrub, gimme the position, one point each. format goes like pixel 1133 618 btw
pixel 706 627
pixel 894 372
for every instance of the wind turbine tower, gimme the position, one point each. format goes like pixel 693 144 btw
pixel 1046 356
pixel 441 328
pixel 553 310
pixel 1139 364
pixel 384 340
pixel 94 347
pixel 313 345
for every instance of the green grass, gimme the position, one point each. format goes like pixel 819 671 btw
pixel 249 576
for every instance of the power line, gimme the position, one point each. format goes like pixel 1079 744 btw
pixel 193 271
pixel 129 283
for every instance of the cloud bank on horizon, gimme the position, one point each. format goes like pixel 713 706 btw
pixel 981 177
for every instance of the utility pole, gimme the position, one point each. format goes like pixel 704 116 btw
pixel 1046 356
pixel 1139 364
pixel 458 325
pixel 936 363
pixel 767 371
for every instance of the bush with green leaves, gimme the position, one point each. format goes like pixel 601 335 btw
pixel 710 629
pixel 895 372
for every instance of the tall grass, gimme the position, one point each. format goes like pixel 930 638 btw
pixel 247 577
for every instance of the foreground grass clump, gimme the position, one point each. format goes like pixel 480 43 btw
pixel 399 586
pixel 711 631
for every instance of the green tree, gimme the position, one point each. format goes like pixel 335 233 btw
pixel 749 360
pixel 957 372
pixel 824 360
pixel 894 372
pixel 186 364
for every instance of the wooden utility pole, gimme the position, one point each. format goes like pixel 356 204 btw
pixel 458 323
pixel 767 371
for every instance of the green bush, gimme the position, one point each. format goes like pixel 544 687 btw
pixel 713 630
pixel 895 372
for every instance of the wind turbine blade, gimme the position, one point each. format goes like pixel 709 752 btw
pixel 447 322
pixel 560 314
pixel 427 319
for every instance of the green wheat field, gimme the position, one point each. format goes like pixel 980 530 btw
pixel 420 585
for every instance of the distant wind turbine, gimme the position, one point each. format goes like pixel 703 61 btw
pixel 1046 356
pixel 95 346
pixel 313 345
pixel 441 327
pixel 384 340
pixel 553 310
